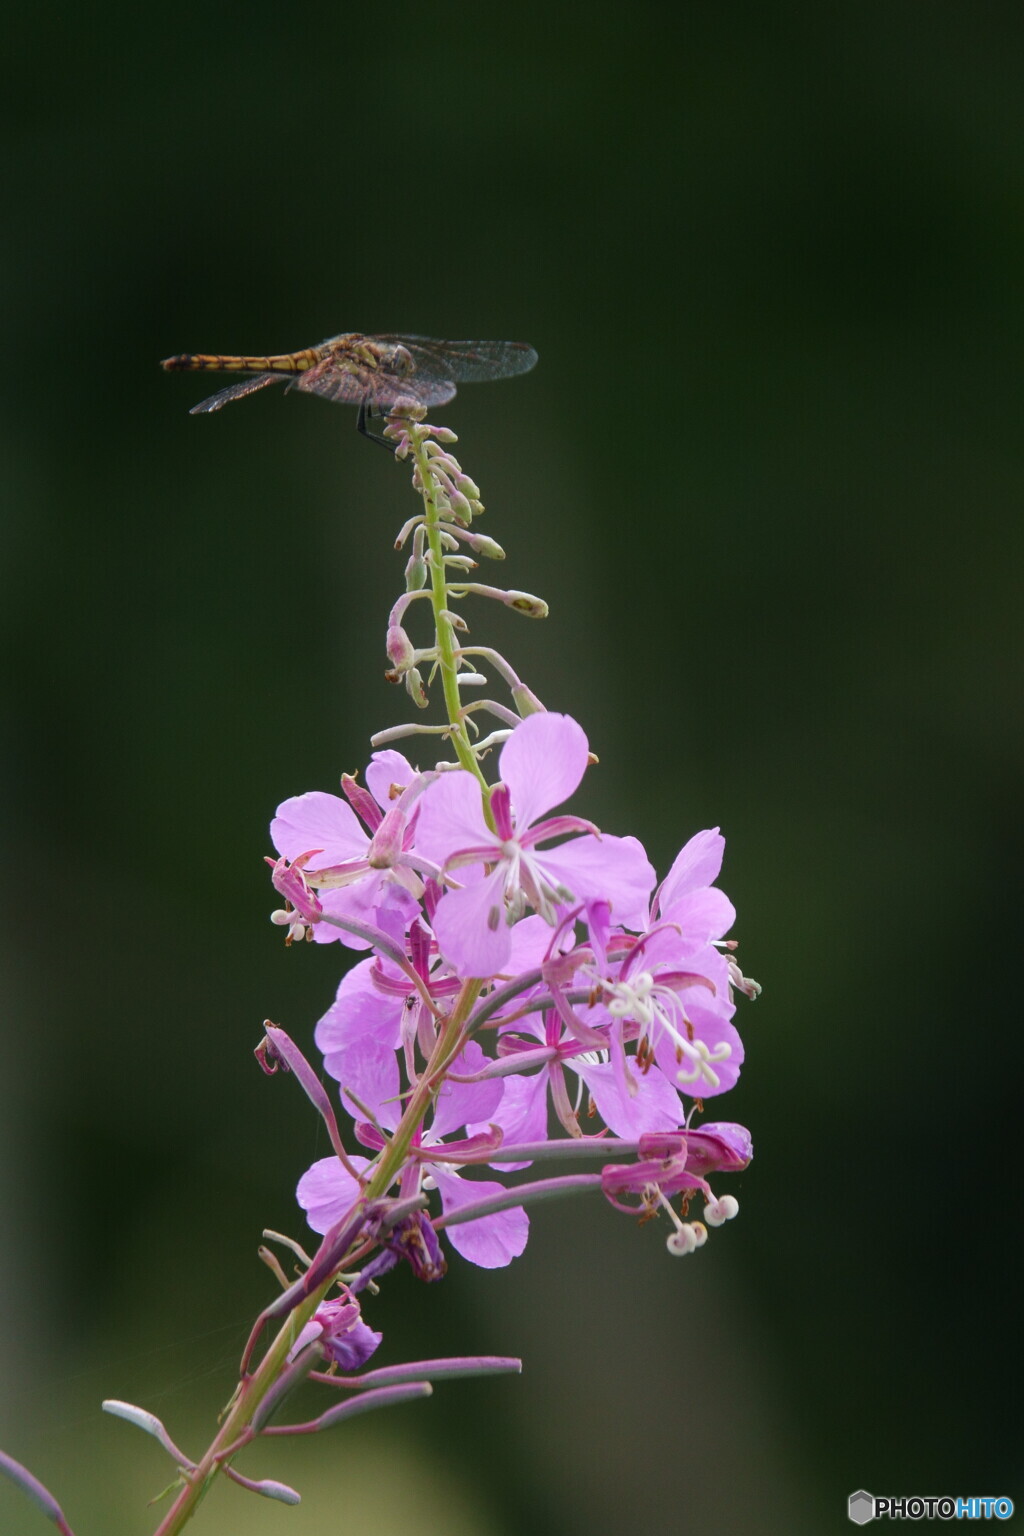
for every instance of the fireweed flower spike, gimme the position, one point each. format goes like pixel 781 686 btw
pixel 527 997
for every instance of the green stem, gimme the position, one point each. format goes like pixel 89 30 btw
pixel 439 602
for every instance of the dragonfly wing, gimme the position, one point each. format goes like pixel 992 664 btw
pixel 379 388
pixel 465 362
pixel 236 391
pixel 333 382
pixel 387 389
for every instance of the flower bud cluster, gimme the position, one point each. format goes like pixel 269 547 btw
pixel 443 553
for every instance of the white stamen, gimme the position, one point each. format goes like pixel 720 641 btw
pixel 290 920
pixel 723 1209
pixel 629 999
pixel 700 1059
pixel 688 1235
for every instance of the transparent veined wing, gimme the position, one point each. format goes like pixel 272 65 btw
pixel 378 387
pixel 236 391
pixel 466 362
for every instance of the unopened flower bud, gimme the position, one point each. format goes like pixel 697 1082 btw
pixel 338 1329
pixel 415 689
pixel 526 701
pixel 416 1241
pixel 480 544
pixel 525 603
pixel 415 573
pixel 361 801
pixel 400 648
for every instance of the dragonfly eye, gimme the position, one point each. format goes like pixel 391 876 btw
pixel 402 362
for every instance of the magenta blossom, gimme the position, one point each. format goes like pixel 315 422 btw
pixel 337 1327
pixel 327 1191
pixel 358 874
pixel 675 999
pixel 377 999
pixel 503 871
pixel 630 1101
pixel 671 1165
pixel 672 987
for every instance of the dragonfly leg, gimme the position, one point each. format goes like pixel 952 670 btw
pixel 363 425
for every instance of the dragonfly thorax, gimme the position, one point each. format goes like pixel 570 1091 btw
pixel 398 360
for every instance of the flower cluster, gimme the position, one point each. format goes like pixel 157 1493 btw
pixel 602 1004
pixel 532 996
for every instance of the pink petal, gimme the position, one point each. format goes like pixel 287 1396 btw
pixel 522 1113
pixel 612 869
pixel 470 927
pixel 359 1009
pixel 387 768
pixel 326 1192
pixel 531 940
pixel 376 900
pixel 654 1107
pixel 492 1241
pixel 542 763
pixel 703 914
pixel 723 1144
pixel 369 1068
pixel 712 1030
pixel 458 1103
pixel 698 863
pixel 318 820
pixel 451 817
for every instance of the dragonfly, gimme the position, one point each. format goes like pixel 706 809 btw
pixel 371 372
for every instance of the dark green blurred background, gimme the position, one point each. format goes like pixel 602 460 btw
pixel 768 474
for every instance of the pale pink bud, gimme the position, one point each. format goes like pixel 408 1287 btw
pixel 400 649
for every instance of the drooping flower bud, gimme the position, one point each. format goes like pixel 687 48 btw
pixel 338 1330
pixel 345 1339
pixel 416 1241
pixel 400 649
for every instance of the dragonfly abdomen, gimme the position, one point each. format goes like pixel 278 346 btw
pixel 286 362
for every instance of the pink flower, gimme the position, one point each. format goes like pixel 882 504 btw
pixel 338 1328
pixel 630 1101
pixel 671 1165
pixel 504 871
pixel 358 876
pixel 326 1191
pixel 672 988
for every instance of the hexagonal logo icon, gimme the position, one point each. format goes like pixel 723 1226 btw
pixel 862 1507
